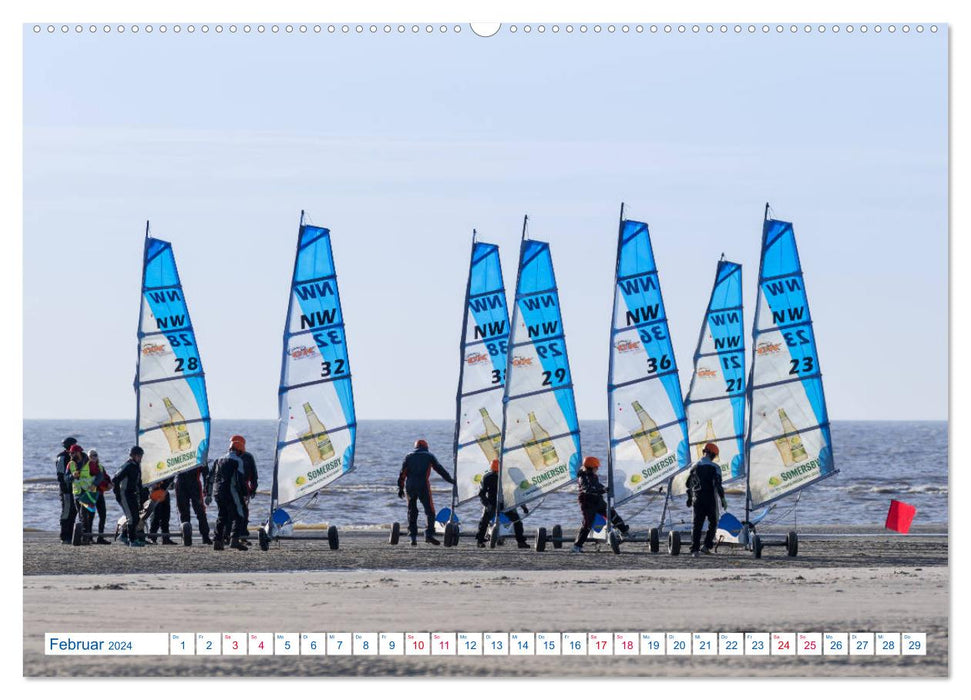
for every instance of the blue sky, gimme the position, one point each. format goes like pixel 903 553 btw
pixel 402 144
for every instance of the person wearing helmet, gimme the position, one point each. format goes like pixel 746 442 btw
pixel 229 487
pixel 161 511
pixel 590 494
pixel 84 478
pixel 488 495
pixel 102 487
pixel 416 470
pixel 68 508
pixel 704 481
pixel 250 483
pixel 128 486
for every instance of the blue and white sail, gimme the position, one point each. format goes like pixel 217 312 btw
pixel 646 419
pixel 715 405
pixel 317 426
pixel 172 419
pixel 540 445
pixel 788 445
pixel 482 371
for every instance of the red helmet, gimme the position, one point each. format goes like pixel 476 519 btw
pixel 591 463
pixel 75 448
pixel 494 466
pixel 712 449
pixel 420 444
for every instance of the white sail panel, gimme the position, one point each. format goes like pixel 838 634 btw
pixel 789 444
pixel 482 372
pixel 172 423
pixel 648 441
pixel 541 434
pixel 317 427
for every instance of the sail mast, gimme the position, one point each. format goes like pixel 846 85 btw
pixel 610 374
pixel 458 389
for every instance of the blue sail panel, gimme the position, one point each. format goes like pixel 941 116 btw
pixel 648 438
pixel 317 424
pixel 715 404
pixel 789 444
pixel 541 434
pixel 173 423
pixel 482 371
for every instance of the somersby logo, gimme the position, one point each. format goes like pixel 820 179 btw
pixel 323 470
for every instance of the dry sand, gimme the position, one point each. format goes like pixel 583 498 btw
pixel 860 584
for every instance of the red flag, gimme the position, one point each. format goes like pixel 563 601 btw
pixel 900 516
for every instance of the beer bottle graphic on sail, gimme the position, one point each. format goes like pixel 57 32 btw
pixel 709 437
pixel 316 440
pixel 174 429
pixel 648 439
pixel 541 451
pixel 790 444
pixel 490 440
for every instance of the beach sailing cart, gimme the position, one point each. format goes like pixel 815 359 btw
pixel 317 425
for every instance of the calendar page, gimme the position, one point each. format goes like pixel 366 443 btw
pixel 409 345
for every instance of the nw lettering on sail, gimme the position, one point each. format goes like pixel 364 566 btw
pixel 166 296
pixel 734 341
pixel 638 284
pixel 317 290
pixel 485 304
pixel 318 318
pixel 489 330
pixel 641 314
pixel 175 321
pixel 789 315
pixel 536 303
pixel 544 329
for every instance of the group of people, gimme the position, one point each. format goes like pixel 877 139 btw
pixel 703 486
pixel 82 480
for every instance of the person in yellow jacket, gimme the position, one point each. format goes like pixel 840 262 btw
pixel 84 478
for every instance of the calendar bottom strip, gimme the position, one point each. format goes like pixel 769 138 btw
pixel 486 644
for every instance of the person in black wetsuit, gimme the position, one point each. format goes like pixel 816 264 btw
pixel 229 486
pixel 101 506
pixel 704 481
pixel 128 485
pixel 68 508
pixel 488 492
pixel 413 479
pixel 191 491
pixel 590 495
pixel 162 513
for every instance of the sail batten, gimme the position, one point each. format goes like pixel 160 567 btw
pixel 715 404
pixel 172 421
pixel 482 371
pixel 317 428
pixel 540 444
pixel 788 444
pixel 646 420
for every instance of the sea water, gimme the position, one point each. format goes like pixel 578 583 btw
pixel 877 461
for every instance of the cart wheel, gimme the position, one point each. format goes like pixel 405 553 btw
pixel 613 539
pixel 78 535
pixel 332 537
pixel 395 533
pixel 792 544
pixel 451 535
pixel 541 539
pixel 264 539
pixel 654 540
pixel 493 536
pixel 557 537
pixel 674 543
pixel 757 546
pixel 187 534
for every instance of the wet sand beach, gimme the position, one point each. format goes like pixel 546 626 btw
pixel 872 581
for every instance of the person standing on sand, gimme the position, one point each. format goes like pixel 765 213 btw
pixel 100 504
pixel 68 508
pixel 229 486
pixel 191 490
pixel 84 478
pixel 128 486
pixel 251 480
pixel 488 496
pixel 590 494
pixel 704 481
pixel 413 479
pixel 162 513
